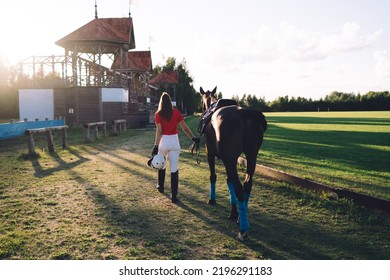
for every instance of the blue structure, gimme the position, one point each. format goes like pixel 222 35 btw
pixel 11 130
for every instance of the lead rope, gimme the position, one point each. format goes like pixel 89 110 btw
pixel 194 149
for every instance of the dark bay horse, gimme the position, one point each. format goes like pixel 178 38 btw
pixel 233 131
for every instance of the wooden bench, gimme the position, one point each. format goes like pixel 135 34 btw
pixel 95 126
pixel 49 137
pixel 118 126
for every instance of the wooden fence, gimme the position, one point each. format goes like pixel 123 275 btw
pixel 95 126
pixel 118 126
pixel 358 198
pixel 49 137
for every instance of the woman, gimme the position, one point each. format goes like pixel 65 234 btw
pixel 167 143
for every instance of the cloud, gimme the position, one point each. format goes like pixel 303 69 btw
pixel 264 46
pixel 309 46
pixel 293 43
pixel 351 39
pixel 297 54
pixel 382 63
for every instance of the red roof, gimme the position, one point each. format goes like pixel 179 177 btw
pixel 136 61
pixel 110 30
pixel 169 77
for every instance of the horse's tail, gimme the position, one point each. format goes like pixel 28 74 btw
pixel 263 121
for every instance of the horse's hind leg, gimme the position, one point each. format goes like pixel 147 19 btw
pixel 242 205
pixel 251 150
pixel 233 201
pixel 250 170
pixel 213 179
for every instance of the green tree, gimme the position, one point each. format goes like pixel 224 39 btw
pixel 280 104
pixel 185 94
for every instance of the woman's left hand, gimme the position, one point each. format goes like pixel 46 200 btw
pixel 155 150
pixel 196 140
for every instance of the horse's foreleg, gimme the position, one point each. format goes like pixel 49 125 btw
pixel 213 180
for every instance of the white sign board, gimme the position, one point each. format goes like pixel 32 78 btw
pixel 36 104
pixel 115 95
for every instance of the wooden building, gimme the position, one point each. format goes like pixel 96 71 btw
pixel 99 78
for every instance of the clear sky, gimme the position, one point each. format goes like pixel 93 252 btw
pixel 261 47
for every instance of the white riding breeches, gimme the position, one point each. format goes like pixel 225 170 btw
pixel 169 147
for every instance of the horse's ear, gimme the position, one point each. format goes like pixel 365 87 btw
pixel 202 91
pixel 214 90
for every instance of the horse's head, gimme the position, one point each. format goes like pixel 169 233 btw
pixel 208 97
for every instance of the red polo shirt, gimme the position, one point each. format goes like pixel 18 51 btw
pixel 169 127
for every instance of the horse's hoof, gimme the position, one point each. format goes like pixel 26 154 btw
pixel 242 236
pixel 212 202
pixel 160 189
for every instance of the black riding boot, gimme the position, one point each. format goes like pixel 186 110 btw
pixel 161 179
pixel 174 185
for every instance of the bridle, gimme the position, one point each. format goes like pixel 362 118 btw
pixel 194 148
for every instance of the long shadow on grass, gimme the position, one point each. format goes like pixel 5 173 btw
pixel 127 164
pixel 274 237
pixel 125 214
pixel 161 231
pixel 40 171
pixel 331 230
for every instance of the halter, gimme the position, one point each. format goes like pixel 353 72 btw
pixel 194 148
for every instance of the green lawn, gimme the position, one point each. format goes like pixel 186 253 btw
pixel 99 201
pixel 342 149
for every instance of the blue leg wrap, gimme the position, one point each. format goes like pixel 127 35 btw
pixel 243 212
pixel 233 197
pixel 213 194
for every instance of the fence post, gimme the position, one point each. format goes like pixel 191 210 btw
pixel 104 130
pixel 30 144
pixel 64 138
pixel 96 131
pixel 114 128
pixel 49 137
pixel 86 133
pixel 118 126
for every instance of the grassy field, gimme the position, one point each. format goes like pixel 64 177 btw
pixel 98 201
pixel 342 149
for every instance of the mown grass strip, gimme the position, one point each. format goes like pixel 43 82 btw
pixel 341 149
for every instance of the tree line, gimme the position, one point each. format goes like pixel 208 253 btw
pixel 188 99
pixel 335 101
